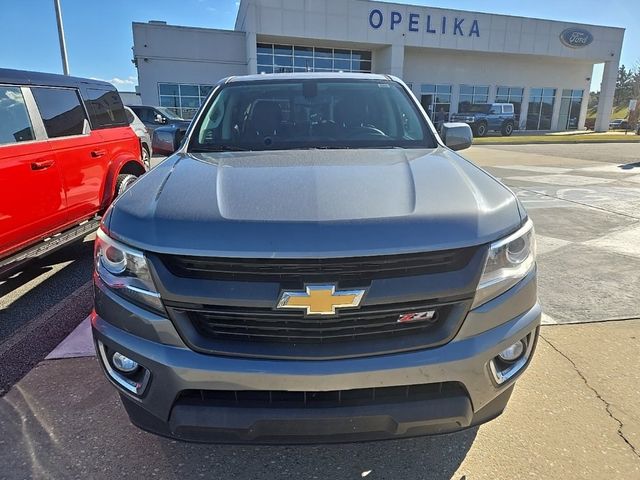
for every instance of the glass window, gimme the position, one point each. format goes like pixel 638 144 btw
pixel 570 105
pixel 184 100
pixel 15 125
pixel 189 90
pixel 265 48
pixel 512 95
pixel 325 63
pixel 342 54
pixel 105 108
pixel 340 64
pixel 190 102
pixel 436 99
pixel 61 110
pixel 361 55
pixel 540 110
pixel 312 113
pixel 300 58
pixel 324 52
pixel 166 101
pixel 303 51
pixel 283 49
pixel 264 59
pixel 169 89
pixel 282 61
pixel 472 94
pixel 304 62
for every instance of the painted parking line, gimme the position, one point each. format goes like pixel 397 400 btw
pixel 78 344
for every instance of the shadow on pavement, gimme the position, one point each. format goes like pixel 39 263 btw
pixel 65 421
pixel 40 306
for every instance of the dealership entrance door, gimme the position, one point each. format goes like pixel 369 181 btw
pixel 427 104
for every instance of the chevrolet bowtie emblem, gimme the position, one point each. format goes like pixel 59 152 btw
pixel 320 299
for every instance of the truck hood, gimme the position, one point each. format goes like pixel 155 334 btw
pixel 313 203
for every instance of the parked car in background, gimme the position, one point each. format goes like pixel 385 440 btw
pixel 66 151
pixel 315 264
pixel 618 124
pixel 154 117
pixel 486 117
pixel 143 134
pixel 590 123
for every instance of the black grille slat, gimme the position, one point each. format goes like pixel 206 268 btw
pixel 306 337
pixel 335 269
pixel 313 399
pixel 269 325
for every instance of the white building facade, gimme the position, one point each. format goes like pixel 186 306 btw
pixel 449 58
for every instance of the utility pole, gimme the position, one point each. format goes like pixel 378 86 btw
pixel 63 45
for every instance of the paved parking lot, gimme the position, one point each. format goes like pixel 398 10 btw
pixel 573 415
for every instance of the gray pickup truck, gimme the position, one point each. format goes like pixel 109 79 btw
pixel 315 264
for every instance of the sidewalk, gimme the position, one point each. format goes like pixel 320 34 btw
pixel 575 414
pixel 573 136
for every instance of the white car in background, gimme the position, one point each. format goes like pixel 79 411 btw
pixel 141 131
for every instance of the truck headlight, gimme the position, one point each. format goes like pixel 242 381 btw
pixel 509 261
pixel 124 271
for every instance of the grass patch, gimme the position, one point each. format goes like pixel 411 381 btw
pixel 577 138
pixel 618 112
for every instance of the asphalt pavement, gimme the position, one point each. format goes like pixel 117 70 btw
pixel 574 414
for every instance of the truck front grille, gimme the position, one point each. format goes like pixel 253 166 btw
pixel 268 325
pixel 362 269
pixel 325 399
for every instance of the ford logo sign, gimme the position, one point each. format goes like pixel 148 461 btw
pixel 576 37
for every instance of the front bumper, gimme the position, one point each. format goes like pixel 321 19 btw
pixel 175 369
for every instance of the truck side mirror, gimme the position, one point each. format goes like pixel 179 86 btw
pixel 456 136
pixel 167 140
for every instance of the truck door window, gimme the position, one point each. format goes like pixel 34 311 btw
pixel 62 112
pixel 105 108
pixel 15 125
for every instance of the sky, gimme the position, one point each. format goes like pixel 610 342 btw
pixel 99 38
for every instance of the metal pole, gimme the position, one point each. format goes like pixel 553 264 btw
pixel 63 45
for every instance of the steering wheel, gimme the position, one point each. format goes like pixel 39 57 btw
pixel 366 131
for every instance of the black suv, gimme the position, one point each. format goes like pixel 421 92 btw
pixel 154 117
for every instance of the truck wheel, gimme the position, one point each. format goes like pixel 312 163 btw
pixel 481 129
pixel 146 157
pixel 123 182
pixel 507 128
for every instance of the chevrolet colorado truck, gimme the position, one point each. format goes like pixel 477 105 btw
pixel 315 264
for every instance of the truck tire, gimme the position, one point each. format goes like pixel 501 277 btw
pixel 480 129
pixel 146 156
pixel 123 182
pixel 507 128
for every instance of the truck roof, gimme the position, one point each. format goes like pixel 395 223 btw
pixel 25 77
pixel 307 76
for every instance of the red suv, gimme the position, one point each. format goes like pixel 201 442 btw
pixel 66 151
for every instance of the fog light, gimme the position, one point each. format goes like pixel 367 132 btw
pixel 124 364
pixel 512 353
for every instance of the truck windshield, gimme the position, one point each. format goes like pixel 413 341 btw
pixel 314 113
pixel 169 114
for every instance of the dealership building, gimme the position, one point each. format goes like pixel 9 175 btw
pixel 449 58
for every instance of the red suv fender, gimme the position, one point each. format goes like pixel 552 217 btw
pixel 123 163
